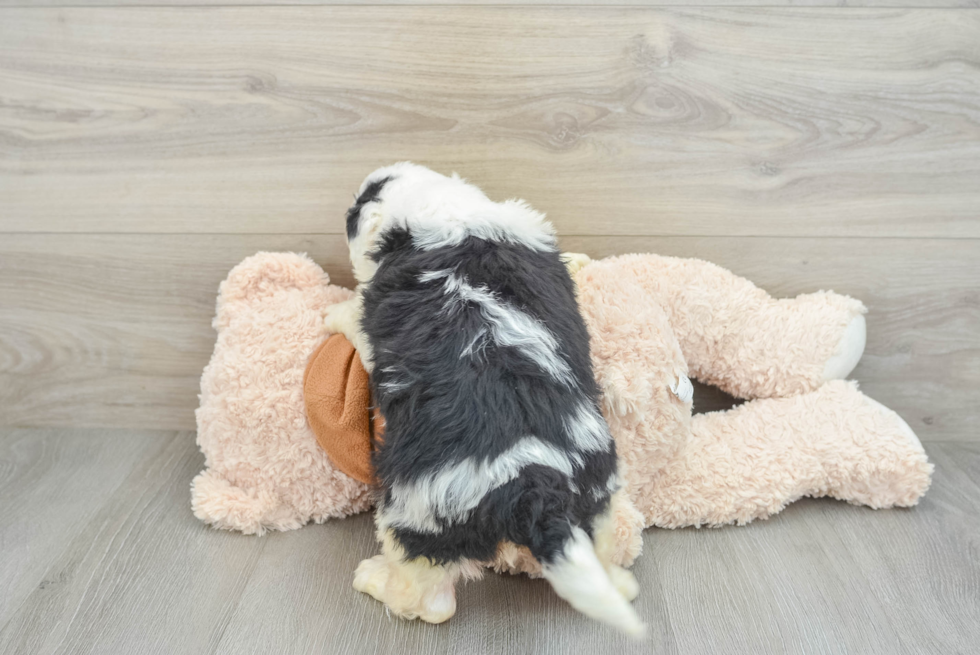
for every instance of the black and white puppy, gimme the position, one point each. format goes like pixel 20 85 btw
pixel 466 318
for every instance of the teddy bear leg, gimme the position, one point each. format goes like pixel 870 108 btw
pixel 849 350
pixel 751 461
pixel 871 455
pixel 736 337
pixel 412 588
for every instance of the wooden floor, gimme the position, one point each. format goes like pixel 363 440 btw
pixel 101 554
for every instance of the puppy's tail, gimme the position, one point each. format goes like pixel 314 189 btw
pixel 577 576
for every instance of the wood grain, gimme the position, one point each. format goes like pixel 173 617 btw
pixel 114 330
pixel 141 575
pixel 616 121
pixel 107 330
pixel 49 494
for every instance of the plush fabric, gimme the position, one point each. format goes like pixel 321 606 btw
pixel 821 439
pixel 264 468
pixel 752 461
pixel 649 319
pixel 733 334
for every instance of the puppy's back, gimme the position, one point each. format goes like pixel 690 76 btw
pixel 482 372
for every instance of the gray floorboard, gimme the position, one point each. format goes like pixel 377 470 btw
pixel 101 554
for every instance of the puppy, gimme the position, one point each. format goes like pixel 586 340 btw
pixel 466 319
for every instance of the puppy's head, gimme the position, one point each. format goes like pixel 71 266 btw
pixel 437 211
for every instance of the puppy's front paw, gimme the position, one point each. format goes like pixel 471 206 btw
pixel 338 318
pixel 575 261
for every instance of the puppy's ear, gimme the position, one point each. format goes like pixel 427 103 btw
pixel 363 221
pixel 370 225
pixel 357 223
pixel 353 220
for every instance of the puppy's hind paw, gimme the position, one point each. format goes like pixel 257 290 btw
pixel 624 581
pixel 409 590
pixel 438 605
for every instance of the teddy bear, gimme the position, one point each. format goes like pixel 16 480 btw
pixel 803 430
pixel 286 429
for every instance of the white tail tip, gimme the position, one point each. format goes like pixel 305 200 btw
pixel 578 577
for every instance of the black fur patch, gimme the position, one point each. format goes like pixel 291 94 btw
pixel 370 194
pixel 441 408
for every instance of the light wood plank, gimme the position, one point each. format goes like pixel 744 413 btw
pixel 143 576
pixel 824 577
pixel 114 330
pixel 613 120
pixel 49 494
pixel 106 330
pixel 857 543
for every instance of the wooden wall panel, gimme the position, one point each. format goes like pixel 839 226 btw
pixel 114 330
pixel 616 121
pixel 145 150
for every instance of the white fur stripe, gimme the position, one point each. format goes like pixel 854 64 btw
pixel 587 430
pixel 613 484
pixel 508 326
pixel 394 386
pixel 456 490
pixel 512 221
pixel 442 211
pixel 429 276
